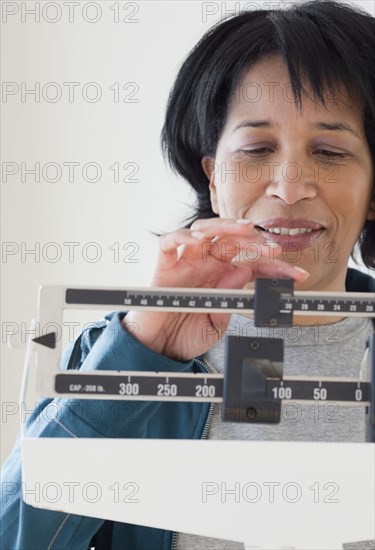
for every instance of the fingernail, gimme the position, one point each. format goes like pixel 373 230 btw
pixel 198 235
pixel 246 222
pixel 301 270
pixel 180 251
pixel 236 258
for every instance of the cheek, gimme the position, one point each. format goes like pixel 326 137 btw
pixel 238 185
pixel 349 200
pixel 356 200
pixel 233 200
pixel 228 204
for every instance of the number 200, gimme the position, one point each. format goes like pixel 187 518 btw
pixel 204 391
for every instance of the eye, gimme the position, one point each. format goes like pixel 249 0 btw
pixel 331 154
pixel 260 151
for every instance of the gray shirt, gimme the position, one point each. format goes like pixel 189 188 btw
pixel 333 350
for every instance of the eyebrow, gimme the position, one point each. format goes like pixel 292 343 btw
pixel 318 126
pixel 254 124
pixel 336 126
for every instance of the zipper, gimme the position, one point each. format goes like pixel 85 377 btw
pixel 212 405
pixel 174 541
pixel 203 436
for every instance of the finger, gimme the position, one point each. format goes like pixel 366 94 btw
pixel 219 226
pixel 172 246
pixel 168 243
pixel 240 248
pixel 237 278
pixel 216 242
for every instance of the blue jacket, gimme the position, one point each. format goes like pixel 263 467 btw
pixel 24 527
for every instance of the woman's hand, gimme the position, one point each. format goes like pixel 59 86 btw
pixel 208 258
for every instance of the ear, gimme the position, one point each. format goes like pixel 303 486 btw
pixel 208 165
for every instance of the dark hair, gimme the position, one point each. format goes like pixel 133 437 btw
pixel 327 42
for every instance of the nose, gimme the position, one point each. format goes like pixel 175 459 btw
pixel 291 182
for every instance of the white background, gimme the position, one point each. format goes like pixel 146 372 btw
pixel 147 52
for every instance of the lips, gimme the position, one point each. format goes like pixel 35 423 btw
pixel 301 232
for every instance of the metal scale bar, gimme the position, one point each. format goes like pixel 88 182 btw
pixel 221 300
pixel 138 386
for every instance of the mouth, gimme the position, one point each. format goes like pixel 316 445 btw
pixel 283 231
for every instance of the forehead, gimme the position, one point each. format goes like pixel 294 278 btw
pixel 266 89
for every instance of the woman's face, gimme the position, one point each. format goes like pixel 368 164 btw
pixel 304 179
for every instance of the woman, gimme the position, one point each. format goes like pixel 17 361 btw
pixel 271 120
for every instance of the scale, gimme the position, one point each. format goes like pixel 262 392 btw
pixel 251 390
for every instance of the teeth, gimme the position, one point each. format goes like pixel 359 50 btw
pixel 287 231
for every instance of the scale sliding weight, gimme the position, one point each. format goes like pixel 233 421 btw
pixel 251 390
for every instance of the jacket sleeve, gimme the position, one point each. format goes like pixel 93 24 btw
pixel 104 346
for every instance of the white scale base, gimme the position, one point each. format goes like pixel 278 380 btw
pixel 323 493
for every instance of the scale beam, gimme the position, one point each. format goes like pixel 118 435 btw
pixel 223 300
pixel 163 386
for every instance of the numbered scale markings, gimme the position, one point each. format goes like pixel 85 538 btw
pixel 306 304
pixel 177 299
pixel 209 388
pixel 166 299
